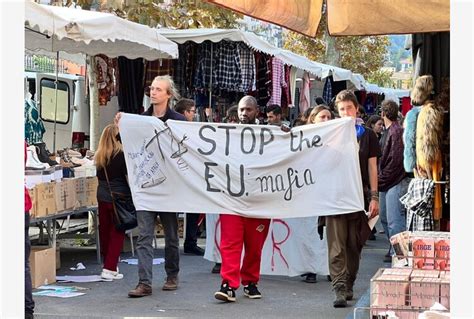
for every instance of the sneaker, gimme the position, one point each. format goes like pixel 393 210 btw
pixel 226 293
pixel 194 250
pixel 141 290
pixel 216 269
pixel 109 274
pixel 170 284
pixel 251 291
pixel 310 278
pixel 387 258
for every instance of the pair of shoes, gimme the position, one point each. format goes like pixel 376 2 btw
pixel 251 291
pixel 109 274
pixel 310 278
pixel 32 160
pixel 329 278
pixel 372 237
pixel 171 283
pixel 226 293
pixel 44 154
pixel 216 269
pixel 141 290
pixel 29 315
pixel 340 300
pixel 195 250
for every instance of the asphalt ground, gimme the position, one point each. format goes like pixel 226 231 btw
pixel 283 297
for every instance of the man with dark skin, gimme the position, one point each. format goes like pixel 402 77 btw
pixel 237 231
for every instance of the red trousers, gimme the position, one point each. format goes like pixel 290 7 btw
pixel 239 232
pixel 111 239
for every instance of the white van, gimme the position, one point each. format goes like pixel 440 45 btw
pixel 72 113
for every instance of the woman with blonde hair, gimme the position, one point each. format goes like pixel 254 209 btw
pixel 320 113
pixel 112 175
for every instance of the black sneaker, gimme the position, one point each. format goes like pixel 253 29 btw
pixel 226 293
pixel 251 291
pixel 216 269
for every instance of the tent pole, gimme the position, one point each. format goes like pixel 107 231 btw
pixel 210 81
pixel 56 102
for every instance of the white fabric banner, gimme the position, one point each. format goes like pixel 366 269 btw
pixel 249 170
pixel 291 248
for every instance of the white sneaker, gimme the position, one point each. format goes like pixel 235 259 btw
pixel 109 274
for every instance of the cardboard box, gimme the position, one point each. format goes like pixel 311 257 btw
pixel 91 191
pixel 65 195
pixel 423 252
pixel 45 197
pixel 42 265
pixel 442 253
pixel 32 193
pixel 80 191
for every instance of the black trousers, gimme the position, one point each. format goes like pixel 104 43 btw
pixel 29 302
pixel 191 230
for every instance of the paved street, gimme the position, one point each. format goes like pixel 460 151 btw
pixel 283 297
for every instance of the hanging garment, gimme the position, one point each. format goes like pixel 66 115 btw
pixel 369 104
pixel 34 127
pixel 157 68
pixel 228 72
pixel 406 105
pixel 293 87
pixel 206 56
pixel 409 139
pixel 130 97
pixel 278 81
pixel 418 202
pixel 327 90
pixel 285 94
pixel 305 101
pixel 263 79
pixel 429 136
pixel 105 68
pixel 247 66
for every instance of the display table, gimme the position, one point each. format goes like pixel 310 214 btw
pixel 51 224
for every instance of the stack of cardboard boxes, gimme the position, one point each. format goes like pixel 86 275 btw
pixel 70 193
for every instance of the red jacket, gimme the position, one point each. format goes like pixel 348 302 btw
pixel 28 203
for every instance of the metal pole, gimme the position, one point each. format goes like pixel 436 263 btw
pixel 210 81
pixel 56 102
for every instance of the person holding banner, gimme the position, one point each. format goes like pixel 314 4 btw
pixel 187 107
pixel 237 232
pixel 347 233
pixel 162 92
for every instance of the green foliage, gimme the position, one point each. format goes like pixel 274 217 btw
pixel 360 54
pixel 381 78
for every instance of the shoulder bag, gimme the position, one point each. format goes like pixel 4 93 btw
pixel 125 213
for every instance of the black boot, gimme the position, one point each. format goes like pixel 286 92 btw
pixel 43 154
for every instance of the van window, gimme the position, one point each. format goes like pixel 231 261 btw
pixel 48 98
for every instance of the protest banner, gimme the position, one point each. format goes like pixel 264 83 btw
pixel 249 170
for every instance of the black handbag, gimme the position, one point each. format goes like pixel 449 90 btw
pixel 125 212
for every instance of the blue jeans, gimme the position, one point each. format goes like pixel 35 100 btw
pixel 392 216
pixel 146 233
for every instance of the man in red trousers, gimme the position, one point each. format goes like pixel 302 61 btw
pixel 238 232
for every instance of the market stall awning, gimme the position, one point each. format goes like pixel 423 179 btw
pixel 54 29
pixel 349 17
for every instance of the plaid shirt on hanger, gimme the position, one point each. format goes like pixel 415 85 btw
pixel 204 67
pixel 419 204
pixel 228 73
pixel 247 64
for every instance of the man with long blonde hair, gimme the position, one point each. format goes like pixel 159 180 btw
pixel 162 92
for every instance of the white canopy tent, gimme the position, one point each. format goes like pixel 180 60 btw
pixel 55 29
